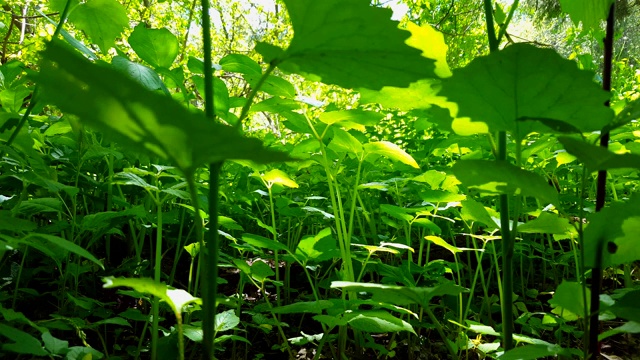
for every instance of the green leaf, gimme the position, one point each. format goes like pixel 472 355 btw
pixel 226 320
pixel 400 295
pixel 11 99
pixel 263 243
pixel 352 119
pixel 318 248
pixel 628 306
pixel 568 297
pixel 546 223
pixel 273 85
pixel 391 151
pixel 276 176
pixel 141 74
pixel 261 271
pixel 523 82
pixel 102 20
pixel 377 321
pixel 597 158
pixel 494 178
pixel 54 345
pixel 306 307
pixel 630 112
pixel 531 352
pixel 590 13
pixel 21 342
pixel 475 211
pixel 11 223
pixel 441 242
pixel 344 142
pixel 66 245
pixel 343 42
pixel 175 298
pixel 397 212
pixel 241 64
pixel 612 233
pixel 158 47
pixel 632 327
pixel 140 119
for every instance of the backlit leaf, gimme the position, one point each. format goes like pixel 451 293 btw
pixel 143 120
pixel 158 47
pixel 359 40
pixel 590 13
pixel 102 20
pixel 597 158
pixel 523 82
pixel 494 178
pixel 391 151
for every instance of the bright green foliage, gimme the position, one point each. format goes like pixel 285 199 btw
pixel 158 47
pixel 590 13
pixel 359 41
pixel 241 64
pixel 597 158
pixel 612 234
pixel 102 20
pixel 146 121
pixel 510 89
pixel 494 178
pixel 546 223
pixel 141 74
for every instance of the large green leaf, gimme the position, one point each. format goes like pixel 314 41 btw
pixel 590 13
pixel 140 119
pixel 494 178
pixel 344 42
pixel 523 82
pixel 20 342
pixel 597 158
pixel 143 75
pixel 64 244
pixel 158 47
pixel 102 20
pixel 613 233
pixel 317 248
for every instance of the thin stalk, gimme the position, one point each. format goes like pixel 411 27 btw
pixel 596 272
pixel 275 239
pixel 156 277
pixel 507 240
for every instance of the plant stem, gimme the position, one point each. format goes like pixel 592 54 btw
pixel 596 272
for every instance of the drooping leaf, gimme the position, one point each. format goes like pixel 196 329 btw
pixel 612 233
pixel 226 320
pixel 546 223
pixel 140 119
pixel 357 41
pixel 140 73
pixel 494 178
pixel 568 297
pixel 263 243
pixel 21 342
pixel 273 85
pixel 277 176
pixel 241 64
pixel 391 151
pixel 307 307
pixel 628 307
pixel 377 321
pixel 400 295
pixel 158 47
pixel 102 20
pixel 590 13
pixel 523 82
pixel 536 351
pixel 344 142
pixel 175 298
pixel 598 158
pixel 66 245
pixel 317 248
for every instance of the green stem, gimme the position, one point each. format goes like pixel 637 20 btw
pixel 156 277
